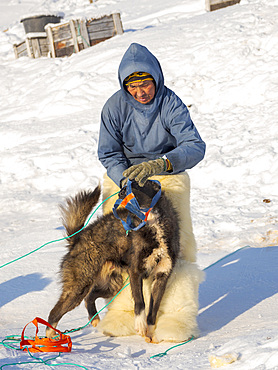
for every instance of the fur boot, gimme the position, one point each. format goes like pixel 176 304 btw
pixel 177 315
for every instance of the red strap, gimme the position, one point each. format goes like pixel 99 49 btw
pixel 147 214
pixel 45 344
pixel 127 199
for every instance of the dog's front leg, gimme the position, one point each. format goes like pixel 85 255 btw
pixel 136 283
pixel 158 289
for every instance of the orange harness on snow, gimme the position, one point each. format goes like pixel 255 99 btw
pixel 45 344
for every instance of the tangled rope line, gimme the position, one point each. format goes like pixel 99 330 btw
pixel 10 340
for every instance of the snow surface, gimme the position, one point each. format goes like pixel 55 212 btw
pixel 224 66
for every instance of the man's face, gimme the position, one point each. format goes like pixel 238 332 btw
pixel 142 91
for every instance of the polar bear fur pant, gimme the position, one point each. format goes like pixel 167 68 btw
pixel 177 315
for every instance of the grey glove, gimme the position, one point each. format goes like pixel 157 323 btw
pixel 141 172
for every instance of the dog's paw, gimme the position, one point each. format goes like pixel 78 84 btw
pixel 150 336
pixel 153 340
pixel 141 324
pixel 50 333
pixel 95 321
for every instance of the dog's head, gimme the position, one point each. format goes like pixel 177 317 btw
pixel 143 194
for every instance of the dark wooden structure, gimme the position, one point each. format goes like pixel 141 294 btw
pixel 20 50
pixel 64 39
pixel 71 37
pixel 34 46
pixel 218 4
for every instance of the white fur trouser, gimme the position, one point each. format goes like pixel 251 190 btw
pixel 176 320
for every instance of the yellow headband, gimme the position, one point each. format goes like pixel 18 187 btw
pixel 137 77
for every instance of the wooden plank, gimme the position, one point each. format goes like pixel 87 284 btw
pixel 63 44
pixel 43 41
pixel 118 23
pixel 84 33
pixel 100 26
pixel 212 5
pixel 66 47
pixel 36 48
pixel 68 42
pixel 23 54
pixel 57 39
pixel 50 41
pixel 74 37
pixel 97 41
pixel 105 18
pixel 29 48
pixel 21 47
pixel 16 53
pixel 61 33
pixel 100 22
pixel 65 52
pixel 214 2
pixel 44 48
pixel 101 34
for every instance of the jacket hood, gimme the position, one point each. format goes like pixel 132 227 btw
pixel 138 58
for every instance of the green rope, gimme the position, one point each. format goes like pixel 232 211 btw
pixel 44 362
pixel 12 338
pixel 58 240
pixel 177 345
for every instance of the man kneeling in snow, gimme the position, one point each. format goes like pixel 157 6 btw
pixel 146 133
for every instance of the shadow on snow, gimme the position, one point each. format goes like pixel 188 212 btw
pixel 236 284
pixel 21 285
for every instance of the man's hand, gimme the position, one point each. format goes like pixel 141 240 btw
pixel 141 172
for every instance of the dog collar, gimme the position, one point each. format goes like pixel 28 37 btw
pixel 132 205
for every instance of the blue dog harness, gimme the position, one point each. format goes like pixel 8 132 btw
pixel 132 205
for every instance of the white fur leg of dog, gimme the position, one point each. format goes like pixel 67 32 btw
pixel 177 316
pixel 141 324
pixel 173 328
pixel 117 323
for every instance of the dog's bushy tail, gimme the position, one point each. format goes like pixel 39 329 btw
pixel 77 209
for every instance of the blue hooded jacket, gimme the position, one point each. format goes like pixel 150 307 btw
pixel 131 132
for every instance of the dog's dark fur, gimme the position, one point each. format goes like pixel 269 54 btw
pixel 101 251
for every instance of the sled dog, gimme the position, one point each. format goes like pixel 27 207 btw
pixel 99 254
